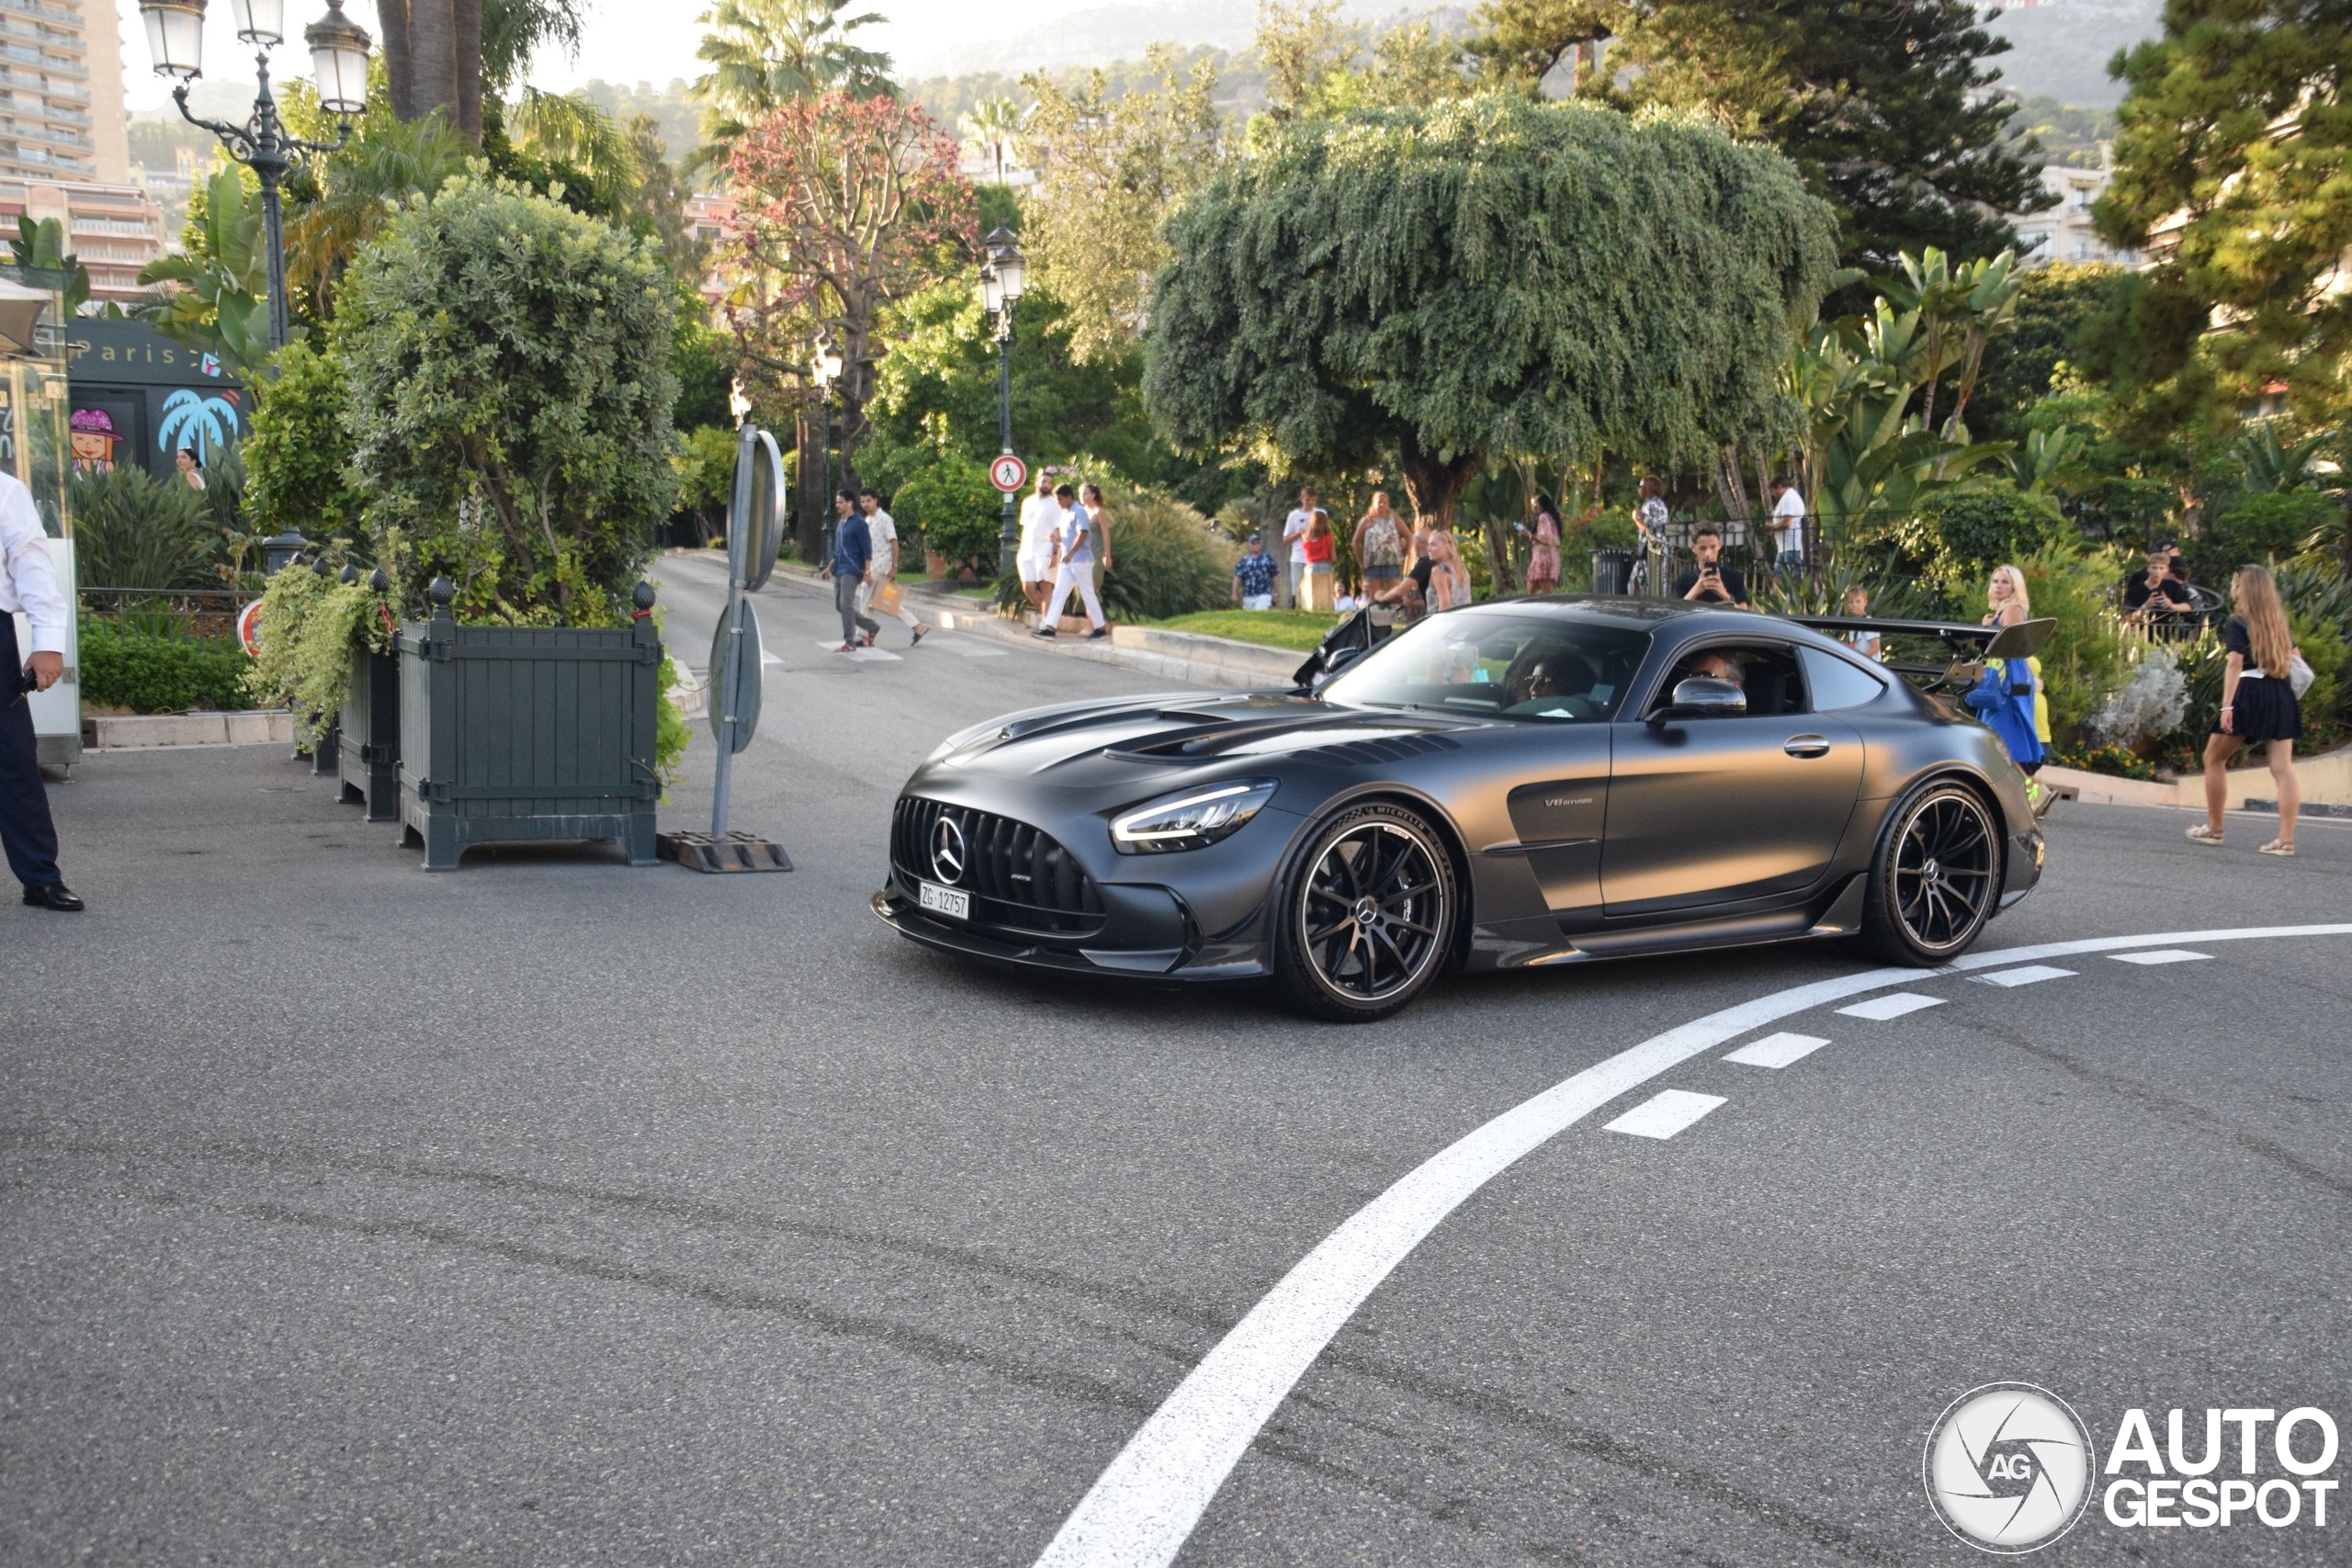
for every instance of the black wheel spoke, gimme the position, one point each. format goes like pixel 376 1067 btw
pixel 1372 915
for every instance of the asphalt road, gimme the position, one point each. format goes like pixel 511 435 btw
pixel 550 1211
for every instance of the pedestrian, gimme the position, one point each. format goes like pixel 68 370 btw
pixel 1379 545
pixel 1650 518
pixel 1409 594
pixel 1098 525
pixel 1253 576
pixel 2006 599
pixel 1321 545
pixel 882 581
pixel 1039 517
pixel 1710 581
pixel 851 566
pixel 190 466
pixel 1073 562
pixel 1449 582
pixel 2003 697
pixel 27 585
pixel 1295 528
pixel 1788 523
pixel 2259 704
pixel 1858 606
pixel 1543 555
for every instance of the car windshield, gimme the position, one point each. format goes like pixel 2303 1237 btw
pixel 1544 668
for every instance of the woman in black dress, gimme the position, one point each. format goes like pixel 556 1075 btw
pixel 2259 706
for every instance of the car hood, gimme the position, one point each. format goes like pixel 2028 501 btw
pixel 1082 745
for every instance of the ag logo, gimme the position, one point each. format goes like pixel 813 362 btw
pixel 2008 1467
pixel 947 851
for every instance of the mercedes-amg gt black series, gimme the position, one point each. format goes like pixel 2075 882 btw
pixel 1528 782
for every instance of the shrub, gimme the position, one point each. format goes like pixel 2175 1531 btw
pixel 2274 526
pixel 960 514
pixel 1977 529
pixel 2084 659
pixel 298 459
pixel 509 387
pixel 2109 760
pixel 125 668
pixel 2145 708
pixel 130 531
pixel 310 628
pixel 1167 561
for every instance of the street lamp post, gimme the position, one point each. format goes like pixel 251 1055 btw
pixel 339 59
pixel 1000 291
pixel 824 369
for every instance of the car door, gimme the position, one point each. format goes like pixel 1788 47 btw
pixel 1719 810
pixel 1559 805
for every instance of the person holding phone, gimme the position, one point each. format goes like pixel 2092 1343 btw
pixel 28 585
pixel 1710 581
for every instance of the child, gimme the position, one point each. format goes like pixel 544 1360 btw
pixel 1321 546
pixel 1858 604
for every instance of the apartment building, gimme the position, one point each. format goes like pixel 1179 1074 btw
pixel 2064 233
pixel 61 113
pixel 112 229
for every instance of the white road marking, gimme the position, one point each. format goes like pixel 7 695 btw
pixel 1143 1507
pixel 1665 1113
pixel 2025 976
pixel 1777 1050
pixel 863 655
pixel 1884 1008
pixel 2161 956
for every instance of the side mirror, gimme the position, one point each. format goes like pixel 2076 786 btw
pixel 1702 696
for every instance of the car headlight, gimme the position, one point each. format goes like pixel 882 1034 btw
pixel 1191 821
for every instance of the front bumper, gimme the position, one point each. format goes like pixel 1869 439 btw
pixel 1134 942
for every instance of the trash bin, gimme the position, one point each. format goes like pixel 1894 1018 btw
pixel 1611 570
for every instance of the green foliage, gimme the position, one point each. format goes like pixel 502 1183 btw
pixel 509 397
pixel 41 246
pixel 1166 559
pixel 961 514
pixel 706 467
pixel 121 668
pixel 297 457
pixel 2086 658
pixel 2056 306
pixel 2274 526
pixel 221 305
pixel 130 531
pixel 1300 631
pixel 1972 531
pixel 767 52
pixel 703 362
pixel 360 189
pixel 1489 277
pixel 2112 761
pixel 310 628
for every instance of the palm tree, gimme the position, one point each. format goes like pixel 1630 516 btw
pixel 385 162
pixel 766 53
pixel 995 123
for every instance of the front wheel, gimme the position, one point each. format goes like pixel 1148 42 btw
pixel 1367 915
pixel 1936 877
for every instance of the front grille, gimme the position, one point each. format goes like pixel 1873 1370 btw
pixel 1019 877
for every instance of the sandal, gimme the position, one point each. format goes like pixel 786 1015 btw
pixel 2204 835
pixel 2275 848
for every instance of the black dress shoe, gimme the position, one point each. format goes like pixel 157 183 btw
pixel 56 896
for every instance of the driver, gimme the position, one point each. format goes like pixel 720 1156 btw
pixel 1713 665
pixel 1554 674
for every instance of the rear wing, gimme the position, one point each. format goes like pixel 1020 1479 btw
pixel 1967 647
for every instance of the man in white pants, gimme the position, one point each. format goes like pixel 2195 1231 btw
pixel 1035 558
pixel 884 531
pixel 1073 566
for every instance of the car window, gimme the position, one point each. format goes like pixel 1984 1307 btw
pixel 1766 672
pixel 1838 683
pixel 1540 668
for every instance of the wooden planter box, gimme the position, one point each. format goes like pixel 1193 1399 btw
pixel 368 755
pixel 528 734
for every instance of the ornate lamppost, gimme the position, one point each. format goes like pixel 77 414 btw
pixel 824 369
pixel 1000 291
pixel 339 48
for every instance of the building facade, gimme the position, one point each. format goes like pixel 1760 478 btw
pixel 2064 233
pixel 61 113
pixel 113 229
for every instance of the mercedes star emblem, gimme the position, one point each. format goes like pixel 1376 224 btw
pixel 947 851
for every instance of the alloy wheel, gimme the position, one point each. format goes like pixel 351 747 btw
pixel 1372 912
pixel 1945 863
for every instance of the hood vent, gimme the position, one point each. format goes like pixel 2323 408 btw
pixel 1388 749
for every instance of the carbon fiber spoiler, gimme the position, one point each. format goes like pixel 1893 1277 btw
pixel 1970 646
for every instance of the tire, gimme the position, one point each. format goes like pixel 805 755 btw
pixel 1366 915
pixel 1936 877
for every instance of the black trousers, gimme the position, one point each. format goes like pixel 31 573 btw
pixel 26 829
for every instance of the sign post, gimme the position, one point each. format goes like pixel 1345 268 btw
pixel 754 521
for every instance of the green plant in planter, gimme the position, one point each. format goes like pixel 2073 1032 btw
pixel 508 399
pixel 310 626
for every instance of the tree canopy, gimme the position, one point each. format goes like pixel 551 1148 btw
pixel 1489 278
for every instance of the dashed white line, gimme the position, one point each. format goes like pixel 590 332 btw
pixel 2161 956
pixel 1896 1006
pixel 1776 1050
pixel 1142 1508
pixel 2030 975
pixel 1665 1113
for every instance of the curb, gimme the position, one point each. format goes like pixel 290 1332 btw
pixel 125 732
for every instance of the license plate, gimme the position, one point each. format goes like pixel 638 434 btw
pixel 945 900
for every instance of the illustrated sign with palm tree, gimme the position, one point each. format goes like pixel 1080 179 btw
pixel 202 422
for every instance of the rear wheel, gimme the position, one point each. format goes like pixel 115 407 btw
pixel 1937 875
pixel 1367 915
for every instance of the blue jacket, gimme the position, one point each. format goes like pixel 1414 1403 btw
pixel 2004 698
pixel 853 545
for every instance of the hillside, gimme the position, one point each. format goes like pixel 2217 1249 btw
pixel 2061 50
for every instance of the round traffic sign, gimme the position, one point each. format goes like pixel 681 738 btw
pixel 1008 473
pixel 249 628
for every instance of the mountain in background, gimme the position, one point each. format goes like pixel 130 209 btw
pixel 2061 50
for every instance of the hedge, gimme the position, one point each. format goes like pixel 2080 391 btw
pixel 146 673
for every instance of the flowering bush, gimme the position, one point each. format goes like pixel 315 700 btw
pixel 2145 708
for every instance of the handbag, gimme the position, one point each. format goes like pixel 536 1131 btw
pixel 885 598
pixel 2300 675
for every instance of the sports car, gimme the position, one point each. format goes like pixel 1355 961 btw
pixel 1523 783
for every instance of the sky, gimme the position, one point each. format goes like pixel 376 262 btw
pixel 628 42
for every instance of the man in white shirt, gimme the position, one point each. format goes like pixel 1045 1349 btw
pixel 1073 565
pixel 1033 559
pixel 1294 529
pixel 27 586
pixel 883 530
pixel 1789 524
